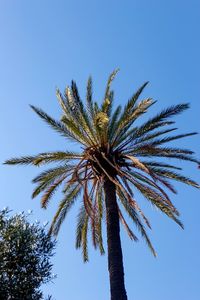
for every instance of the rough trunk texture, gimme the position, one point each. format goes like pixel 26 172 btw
pixel 115 260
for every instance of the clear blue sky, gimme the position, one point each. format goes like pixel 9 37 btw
pixel 43 45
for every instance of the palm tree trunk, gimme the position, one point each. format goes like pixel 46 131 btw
pixel 115 260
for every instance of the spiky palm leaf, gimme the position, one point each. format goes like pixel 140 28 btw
pixel 113 148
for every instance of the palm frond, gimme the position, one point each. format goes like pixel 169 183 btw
pixel 53 173
pixel 42 186
pixel 129 107
pixel 168 113
pixel 59 156
pixel 130 138
pixel 97 221
pixel 108 98
pixel 44 158
pixel 85 240
pixel 62 102
pixel 109 82
pixel 24 160
pixel 125 124
pixel 129 231
pixel 89 101
pixel 132 202
pixel 64 207
pixel 58 126
pixel 131 176
pixel 79 225
pixel 136 219
pixel 50 191
pixel 161 118
pixel 113 121
pixel 150 136
pixel 81 232
pixel 83 117
pixel 172 138
pixel 175 176
pixel 157 201
pixel 135 135
pixel 160 165
pixel 110 106
pixel 181 154
pixel 78 128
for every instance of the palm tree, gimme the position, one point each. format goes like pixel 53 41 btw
pixel 116 157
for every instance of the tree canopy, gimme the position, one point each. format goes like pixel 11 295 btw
pixel 25 252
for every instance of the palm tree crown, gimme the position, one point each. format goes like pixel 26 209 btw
pixel 114 149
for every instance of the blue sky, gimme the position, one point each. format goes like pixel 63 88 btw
pixel 45 44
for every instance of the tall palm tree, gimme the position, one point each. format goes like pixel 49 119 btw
pixel 116 158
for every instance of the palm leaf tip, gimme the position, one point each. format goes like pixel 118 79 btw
pixel 25 160
pixel 11 161
pixel 175 109
pixel 113 74
pixel 34 108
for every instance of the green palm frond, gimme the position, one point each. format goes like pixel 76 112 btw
pixel 126 123
pixel 131 176
pixel 62 102
pixel 64 207
pixel 127 228
pixel 79 225
pixel 141 132
pixel 157 150
pixel 50 191
pixel 24 160
pixel 82 233
pixel 172 138
pixel 113 121
pixel 89 101
pixel 100 214
pixel 109 82
pixel 110 106
pixel 133 202
pixel 83 116
pixel 79 129
pixel 158 201
pixel 131 138
pixel 136 219
pixel 100 238
pixel 58 126
pixel 96 221
pixel 150 136
pixel 41 187
pixel 47 179
pixel 160 164
pixel 130 106
pixel 106 106
pixel 180 154
pixel 54 173
pixel 175 176
pixel 85 239
pixel 59 156
pixel 44 158
pixel 74 116
pixel 160 119
pixel 166 113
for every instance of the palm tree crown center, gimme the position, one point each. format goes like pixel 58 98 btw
pixel 103 158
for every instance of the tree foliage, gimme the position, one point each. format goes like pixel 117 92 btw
pixel 25 252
